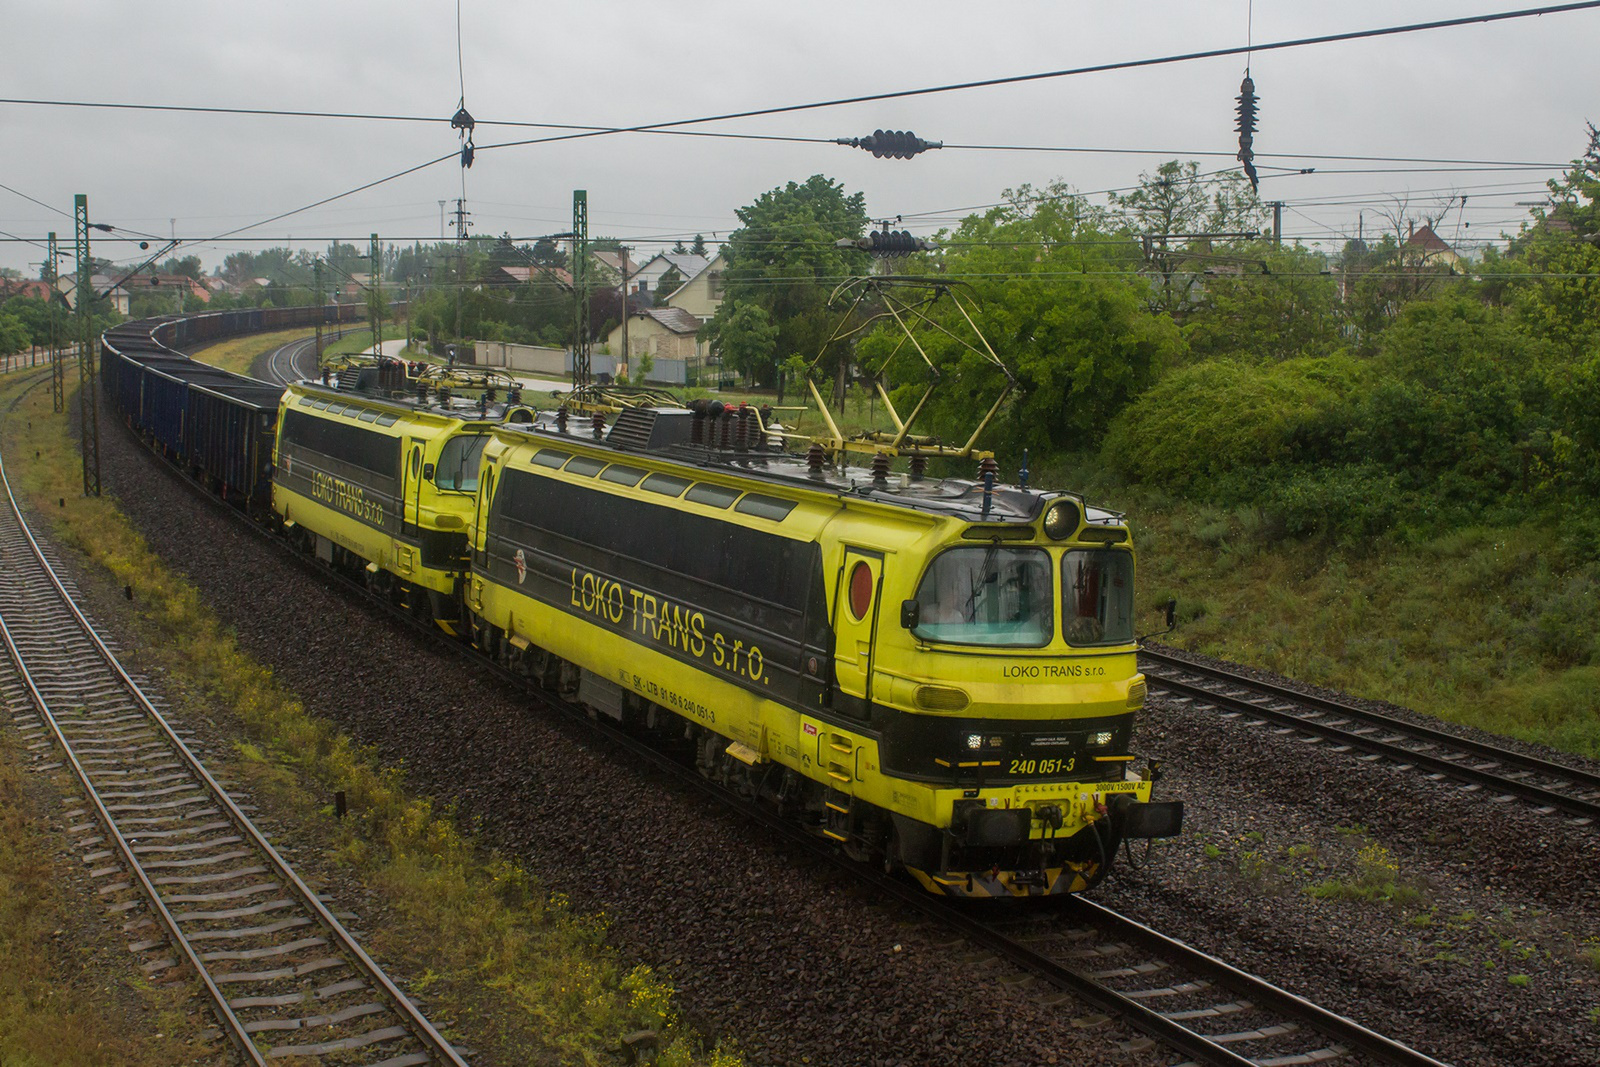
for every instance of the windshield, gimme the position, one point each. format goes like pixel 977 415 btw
pixel 458 462
pixel 1097 597
pixel 987 596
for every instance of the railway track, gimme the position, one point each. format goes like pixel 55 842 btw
pixel 284 363
pixel 1205 1010
pixel 197 886
pixel 1500 774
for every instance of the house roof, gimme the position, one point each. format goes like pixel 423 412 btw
pixel 522 275
pixel 10 287
pixel 1424 238
pixel 675 319
pixel 685 263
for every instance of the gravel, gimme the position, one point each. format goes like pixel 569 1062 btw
pixel 790 963
pixel 784 960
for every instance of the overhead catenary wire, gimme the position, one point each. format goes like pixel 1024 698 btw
pixel 1098 68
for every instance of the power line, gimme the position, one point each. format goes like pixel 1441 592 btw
pixel 1099 68
pixel 791 139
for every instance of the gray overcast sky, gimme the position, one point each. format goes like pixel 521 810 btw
pixel 1512 91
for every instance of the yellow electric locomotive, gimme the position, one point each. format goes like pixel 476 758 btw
pixel 938 674
pixel 383 483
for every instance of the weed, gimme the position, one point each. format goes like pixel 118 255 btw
pixel 1422 920
pixel 1255 835
pixel 1212 852
pixel 1517 980
pixel 1353 830
pixel 1377 879
pixel 1591 955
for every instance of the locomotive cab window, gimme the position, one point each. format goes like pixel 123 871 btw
pixel 1097 597
pixel 458 462
pixel 987 596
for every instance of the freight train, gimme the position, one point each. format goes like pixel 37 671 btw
pixel 937 673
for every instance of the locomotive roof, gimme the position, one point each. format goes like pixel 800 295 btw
pixel 637 433
pixel 666 434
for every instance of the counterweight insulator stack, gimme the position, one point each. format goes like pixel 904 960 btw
pixel 1246 124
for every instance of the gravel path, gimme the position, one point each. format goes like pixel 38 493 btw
pixel 1464 934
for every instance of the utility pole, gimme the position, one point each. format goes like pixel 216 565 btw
pixel 322 306
pixel 88 380
pixel 58 392
pixel 375 298
pixel 1277 223
pixel 461 238
pixel 442 203
pixel 580 292
pixel 622 253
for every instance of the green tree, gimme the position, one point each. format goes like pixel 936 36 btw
pixel 14 335
pixel 1056 300
pixel 1176 201
pixel 1560 297
pixel 1281 304
pixel 746 341
pixel 698 248
pixel 784 260
pixel 188 266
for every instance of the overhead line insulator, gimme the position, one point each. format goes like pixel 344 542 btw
pixel 887 244
pixel 891 144
pixel 1246 125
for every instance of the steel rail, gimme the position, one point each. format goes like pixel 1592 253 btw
pixel 1329 1023
pixel 1138 1015
pixel 1576 806
pixel 410 1016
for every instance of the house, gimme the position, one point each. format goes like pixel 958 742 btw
pixel 669 333
pixel 511 277
pixel 168 284
pixel 666 333
pixel 653 269
pixel 67 284
pixel 10 287
pixel 1424 247
pixel 701 295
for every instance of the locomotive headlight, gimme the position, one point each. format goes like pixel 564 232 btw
pixel 974 741
pixel 1100 740
pixel 1061 521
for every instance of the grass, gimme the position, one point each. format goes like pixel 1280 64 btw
pixel 1492 627
pixel 239 353
pixel 534 977
pixel 1377 878
pixel 359 339
pixel 54 1008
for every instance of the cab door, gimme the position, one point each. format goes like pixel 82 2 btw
pixel 855 625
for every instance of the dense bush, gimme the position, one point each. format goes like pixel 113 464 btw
pixel 1204 422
